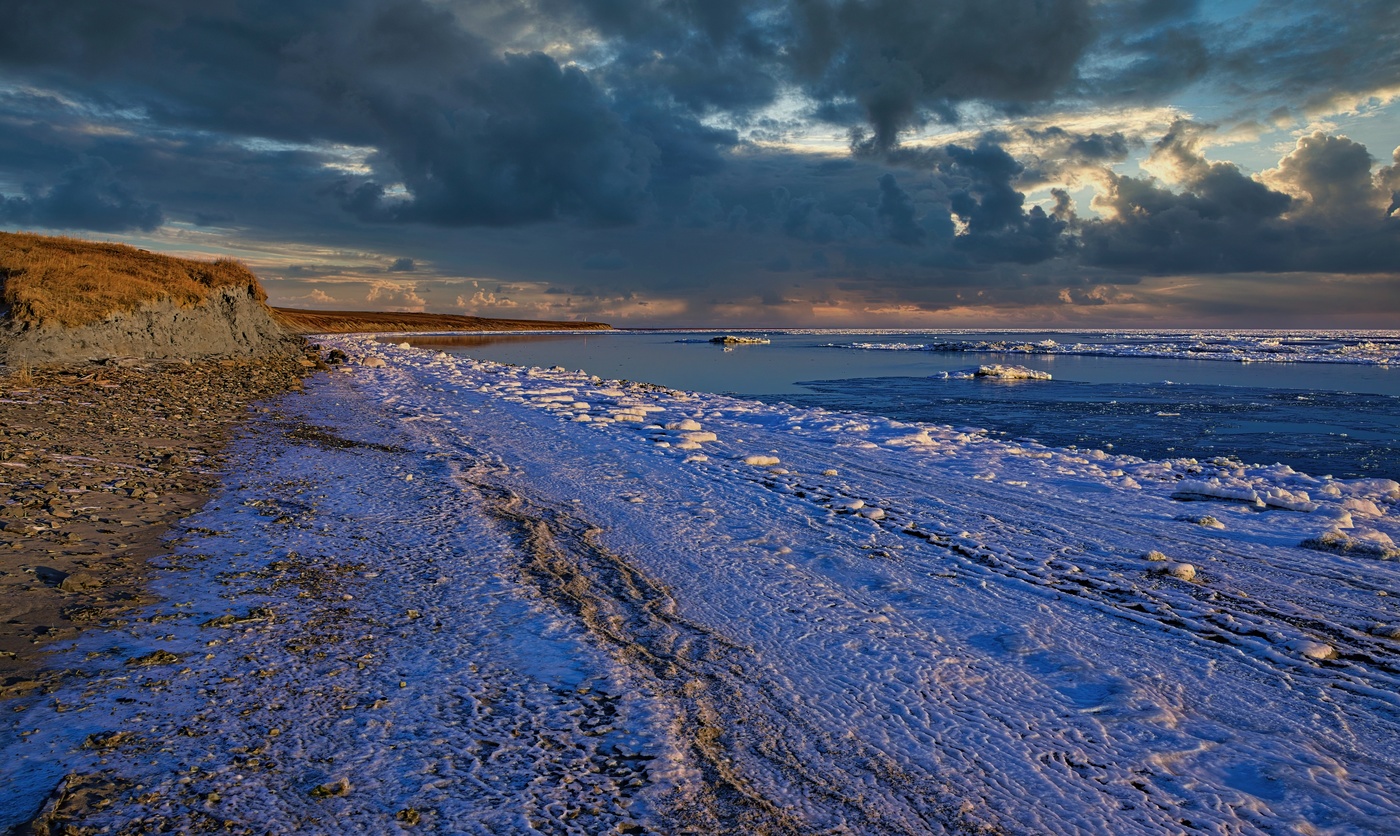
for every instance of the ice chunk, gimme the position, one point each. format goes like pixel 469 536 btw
pixel 1313 650
pixel 688 424
pixel 995 371
pixel 1189 490
pixel 1180 571
pixel 1368 543
pixel 761 461
pixel 1289 500
pixel 1203 520
pixel 1362 508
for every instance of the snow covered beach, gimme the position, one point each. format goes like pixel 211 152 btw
pixel 485 598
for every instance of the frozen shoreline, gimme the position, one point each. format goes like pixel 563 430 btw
pixel 749 611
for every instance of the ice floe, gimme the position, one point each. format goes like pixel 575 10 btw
pixel 995 371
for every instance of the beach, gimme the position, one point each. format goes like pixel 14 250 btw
pixel 98 461
pixel 469 597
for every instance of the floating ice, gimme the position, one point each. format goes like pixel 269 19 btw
pixel 995 371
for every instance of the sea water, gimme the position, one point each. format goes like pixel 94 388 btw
pixel 1337 418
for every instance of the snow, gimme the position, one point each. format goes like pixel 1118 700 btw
pixel 563 625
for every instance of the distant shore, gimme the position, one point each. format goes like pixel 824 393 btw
pixel 300 321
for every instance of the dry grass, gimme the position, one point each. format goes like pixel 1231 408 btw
pixel 71 282
pixel 351 322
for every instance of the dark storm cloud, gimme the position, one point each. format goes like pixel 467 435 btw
pixel 898 211
pixel 87 196
pixel 1080 148
pixel 476 137
pixel 1328 217
pixel 371 125
pixel 897 58
pixel 987 200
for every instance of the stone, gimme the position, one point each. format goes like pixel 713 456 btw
pixel 80 582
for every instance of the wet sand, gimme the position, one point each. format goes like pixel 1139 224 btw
pixel 96 462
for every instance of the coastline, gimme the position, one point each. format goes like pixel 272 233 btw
pixel 97 462
pixel 470 597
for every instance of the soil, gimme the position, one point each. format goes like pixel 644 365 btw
pixel 231 322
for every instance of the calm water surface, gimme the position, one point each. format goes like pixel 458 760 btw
pixel 1334 419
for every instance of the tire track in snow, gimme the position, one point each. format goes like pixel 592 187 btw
pixel 731 719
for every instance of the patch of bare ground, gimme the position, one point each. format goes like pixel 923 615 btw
pixel 96 463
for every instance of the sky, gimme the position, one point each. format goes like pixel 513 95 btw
pixel 824 163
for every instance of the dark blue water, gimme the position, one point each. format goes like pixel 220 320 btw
pixel 1341 434
pixel 1342 420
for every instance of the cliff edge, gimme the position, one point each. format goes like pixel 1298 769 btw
pixel 67 301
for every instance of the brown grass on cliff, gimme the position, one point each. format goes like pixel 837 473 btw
pixel 352 322
pixel 72 282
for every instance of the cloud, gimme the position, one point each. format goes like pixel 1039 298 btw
pixel 611 260
pixel 985 198
pixel 678 155
pixel 898 58
pixel 898 212
pixel 317 296
pixel 1331 178
pixel 87 196
pixel 391 296
pixel 1319 210
pixel 1388 180
pixel 484 299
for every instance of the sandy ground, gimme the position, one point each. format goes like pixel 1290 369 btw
pixel 96 462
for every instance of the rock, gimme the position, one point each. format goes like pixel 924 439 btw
pixel 159 657
pixel 80 582
pixel 49 575
pixel 1386 631
pixel 105 741
pixel 335 789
